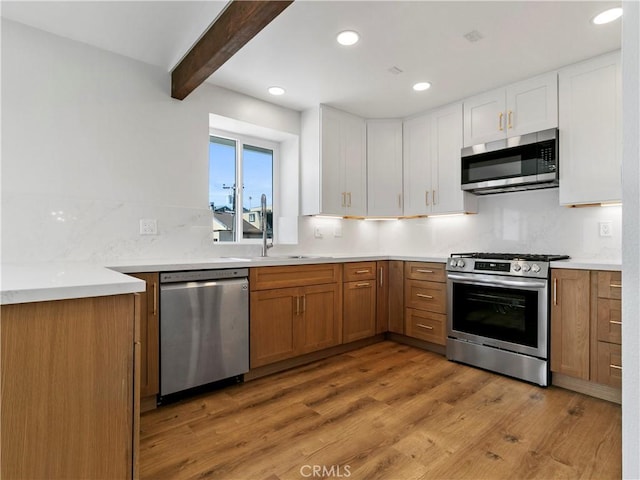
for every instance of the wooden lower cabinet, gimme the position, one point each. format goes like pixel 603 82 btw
pixel 382 296
pixel 586 325
pixel 359 318
pixel 359 297
pixel 149 340
pixel 396 296
pixel 69 403
pixel 287 322
pixel 427 326
pixel 570 322
pixel 425 301
pixel 609 364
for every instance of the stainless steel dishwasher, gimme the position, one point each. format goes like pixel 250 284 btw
pixel 204 327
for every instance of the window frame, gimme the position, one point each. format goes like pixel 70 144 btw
pixel 240 141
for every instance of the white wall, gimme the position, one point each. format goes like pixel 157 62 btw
pixel 630 242
pixel 92 142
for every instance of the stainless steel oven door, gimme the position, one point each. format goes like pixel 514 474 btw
pixel 503 312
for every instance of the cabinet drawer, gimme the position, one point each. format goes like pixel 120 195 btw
pixel 266 278
pixel 610 285
pixel 354 272
pixel 609 320
pixel 432 272
pixel 609 369
pixel 427 326
pixel 430 296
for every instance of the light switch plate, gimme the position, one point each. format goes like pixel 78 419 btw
pixel 605 229
pixel 148 226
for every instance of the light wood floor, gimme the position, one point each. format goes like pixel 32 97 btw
pixel 386 411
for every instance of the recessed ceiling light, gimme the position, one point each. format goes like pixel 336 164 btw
pixel 421 86
pixel 607 16
pixel 276 91
pixel 348 37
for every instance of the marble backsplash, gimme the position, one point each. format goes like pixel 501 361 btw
pixel 55 228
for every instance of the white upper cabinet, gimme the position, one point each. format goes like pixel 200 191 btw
pixel 384 168
pixel 432 145
pixel 417 165
pixel 590 99
pixel 333 163
pixel 524 107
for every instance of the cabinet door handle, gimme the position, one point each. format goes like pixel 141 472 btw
pixel 381 273
pixel 509 119
pixel 615 285
pixel 420 270
pixel 399 200
pixel 304 303
pixel 615 322
pixel 362 271
pixel 349 197
pixel 426 197
pixel 297 305
pixel 423 295
pixel 428 327
pixel 155 298
pixel 617 367
pixel 359 285
pixel 344 199
pixel 555 291
pixel 500 117
pixel 433 197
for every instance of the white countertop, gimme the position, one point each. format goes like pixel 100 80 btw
pixel 37 282
pixel 588 264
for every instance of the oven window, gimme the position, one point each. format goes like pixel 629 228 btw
pixel 503 314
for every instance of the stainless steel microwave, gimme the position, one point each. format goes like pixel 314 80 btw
pixel 526 162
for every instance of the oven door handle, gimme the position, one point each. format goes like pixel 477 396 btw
pixel 529 283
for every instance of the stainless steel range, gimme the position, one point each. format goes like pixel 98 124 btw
pixel 498 315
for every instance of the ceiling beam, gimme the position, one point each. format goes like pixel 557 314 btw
pixel 239 22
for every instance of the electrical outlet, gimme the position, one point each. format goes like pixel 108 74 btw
pixel 605 229
pixel 317 232
pixel 148 226
pixel 337 231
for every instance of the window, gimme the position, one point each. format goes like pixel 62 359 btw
pixel 236 161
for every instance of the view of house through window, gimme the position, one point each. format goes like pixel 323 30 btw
pixel 239 173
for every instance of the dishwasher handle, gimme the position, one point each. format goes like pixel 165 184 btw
pixel 211 283
pixel 203 275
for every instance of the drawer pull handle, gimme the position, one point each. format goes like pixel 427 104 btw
pixel 423 295
pixel 615 285
pixel 615 322
pixel 428 327
pixel 362 271
pixel 617 367
pixel 363 284
pixel 420 270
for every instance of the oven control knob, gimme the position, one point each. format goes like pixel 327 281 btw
pixel 460 263
pixel 453 263
pixel 516 267
pixel 525 267
pixel 535 268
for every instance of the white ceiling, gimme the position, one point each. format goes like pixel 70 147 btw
pixel 425 39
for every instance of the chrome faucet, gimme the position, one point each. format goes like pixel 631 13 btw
pixel 263 222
